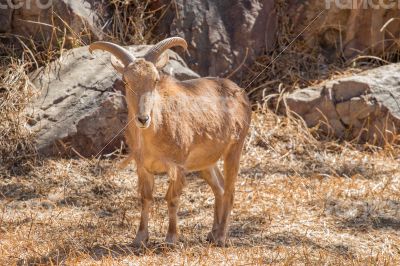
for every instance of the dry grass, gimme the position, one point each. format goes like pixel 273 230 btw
pixel 124 21
pixel 292 65
pixel 297 201
pixel 20 55
pixel 16 142
pixel 129 22
pixel 132 22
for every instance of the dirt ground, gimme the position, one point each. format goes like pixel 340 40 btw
pixel 298 201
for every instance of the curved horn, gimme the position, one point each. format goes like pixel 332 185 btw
pixel 154 53
pixel 118 51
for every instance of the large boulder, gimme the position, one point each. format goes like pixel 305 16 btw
pixel 365 107
pixel 218 32
pixel 81 108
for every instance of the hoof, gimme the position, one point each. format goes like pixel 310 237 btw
pixel 213 237
pixel 171 239
pixel 141 240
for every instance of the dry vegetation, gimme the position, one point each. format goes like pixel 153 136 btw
pixel 301 63
pixel 132 21
pixel 15 140
pixel 125 22
pixel 300 199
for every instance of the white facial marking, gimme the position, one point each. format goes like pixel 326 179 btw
pixel 145 103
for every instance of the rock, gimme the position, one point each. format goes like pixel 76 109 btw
pixel 81 106
pixel 348 28
pixel 5 16
pixel 40 20
pixel 218 32
pixel 364 107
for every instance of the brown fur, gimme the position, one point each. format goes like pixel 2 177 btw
pixel 193 124
pixel 197 111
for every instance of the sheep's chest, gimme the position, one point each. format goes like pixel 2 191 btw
pixel 154 165
pixel 156 158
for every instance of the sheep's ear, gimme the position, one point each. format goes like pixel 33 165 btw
pixel 117 64
pixel 162 60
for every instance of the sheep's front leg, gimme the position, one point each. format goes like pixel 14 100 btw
pixel 177 182
pixel 146 184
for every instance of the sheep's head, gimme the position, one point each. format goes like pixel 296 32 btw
pixel 140 74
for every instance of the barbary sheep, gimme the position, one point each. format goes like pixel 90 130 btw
pixel 181 127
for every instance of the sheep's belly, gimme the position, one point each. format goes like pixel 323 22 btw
pixel 200 157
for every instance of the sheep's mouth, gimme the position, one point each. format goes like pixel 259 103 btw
pixel 143 126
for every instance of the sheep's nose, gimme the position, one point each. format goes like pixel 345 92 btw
pixel 143 119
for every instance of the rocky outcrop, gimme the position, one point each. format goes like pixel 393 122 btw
pixel 218 32
pixel 221 34
pixel 81 108
pixel 365 107
pixel 346 28
pixel 40 20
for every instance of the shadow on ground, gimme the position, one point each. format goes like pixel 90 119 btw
pixel 362 215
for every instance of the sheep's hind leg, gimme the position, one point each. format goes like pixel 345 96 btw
pixel 231 169
pixel 146 184
pixel 177 182
pixel 214 179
